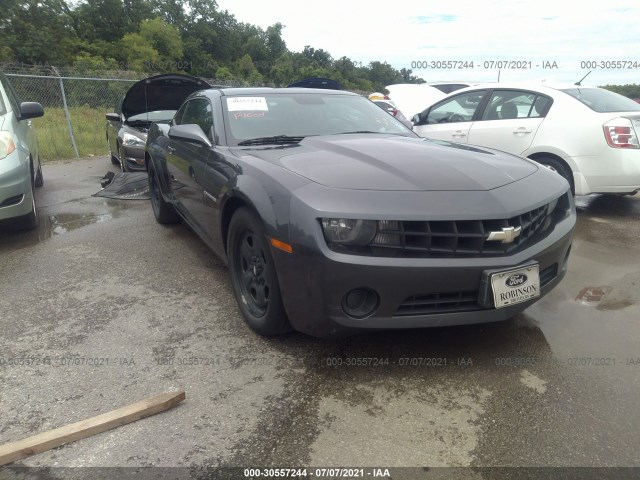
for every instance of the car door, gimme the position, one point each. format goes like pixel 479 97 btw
pixel 451 118
pixel 510 120
pixel 187 161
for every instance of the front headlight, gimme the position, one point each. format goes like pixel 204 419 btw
pixel 7 145
pixel 345 231
pixel 129 140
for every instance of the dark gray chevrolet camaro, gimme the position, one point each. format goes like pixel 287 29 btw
pixel 333 217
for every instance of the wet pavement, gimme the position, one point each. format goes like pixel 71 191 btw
pixel 101 307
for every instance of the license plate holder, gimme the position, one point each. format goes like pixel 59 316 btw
pixel 516 285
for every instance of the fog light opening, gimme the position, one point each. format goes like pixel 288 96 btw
pixel 360 302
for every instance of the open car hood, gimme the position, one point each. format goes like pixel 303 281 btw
pixel 162 92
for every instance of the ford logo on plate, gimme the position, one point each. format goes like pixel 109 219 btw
pixel 516 280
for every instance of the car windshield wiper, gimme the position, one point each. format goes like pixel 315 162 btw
pixel 277 140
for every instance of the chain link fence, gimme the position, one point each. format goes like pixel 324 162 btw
pixel 74 123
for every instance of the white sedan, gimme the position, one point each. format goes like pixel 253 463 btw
pixel 588 135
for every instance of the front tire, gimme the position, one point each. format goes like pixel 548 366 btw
pixel 123 161
pixel 164 212
pixel 30 220
pixel 114 160
pixel 253 275
pixel 39 180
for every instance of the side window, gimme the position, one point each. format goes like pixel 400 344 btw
pixel 540 106
pixel 460 108
pixel 177 118
pixel 510 104
pixel 198 111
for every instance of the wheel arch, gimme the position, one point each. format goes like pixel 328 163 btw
pixel 249 193
pixel 570 168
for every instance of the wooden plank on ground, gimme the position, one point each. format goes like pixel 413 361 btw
pixel 10 452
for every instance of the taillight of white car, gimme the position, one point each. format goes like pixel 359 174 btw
pixel 620 133
pixel 6 144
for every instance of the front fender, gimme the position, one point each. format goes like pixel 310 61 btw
pixel 267 198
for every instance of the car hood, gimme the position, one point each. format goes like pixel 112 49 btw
pixel 162 92
pixel 384 162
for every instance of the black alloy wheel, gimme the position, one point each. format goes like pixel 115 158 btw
pixel 253 275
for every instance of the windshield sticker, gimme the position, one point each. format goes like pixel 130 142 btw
pixel 238 115
pixel 238 104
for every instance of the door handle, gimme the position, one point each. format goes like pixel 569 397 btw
pixel 459 133
pixel 522 130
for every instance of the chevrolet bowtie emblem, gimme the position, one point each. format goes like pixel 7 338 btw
pixel 507 235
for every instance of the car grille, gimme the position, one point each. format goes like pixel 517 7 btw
pixel 455 302
pixel 419 239
pixel 439 303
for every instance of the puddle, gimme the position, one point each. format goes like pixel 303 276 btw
pixel 58 224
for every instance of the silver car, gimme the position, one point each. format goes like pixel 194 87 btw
pixel 20 168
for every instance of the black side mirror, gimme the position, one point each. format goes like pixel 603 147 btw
pixel 191 133
pixel 113 117
pixel 30 110
pixel 416 119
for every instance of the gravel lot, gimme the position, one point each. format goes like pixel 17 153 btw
pixel 556 386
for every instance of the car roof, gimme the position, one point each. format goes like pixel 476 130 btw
pixel 284 90
pixel 539 86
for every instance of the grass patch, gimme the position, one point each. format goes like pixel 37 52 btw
pixel 88 125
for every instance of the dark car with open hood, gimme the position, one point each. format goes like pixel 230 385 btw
pixel 153 99
pixel 334 217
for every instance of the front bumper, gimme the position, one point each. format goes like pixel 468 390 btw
pixel 15 186
pixel 134 157
pixel 314 281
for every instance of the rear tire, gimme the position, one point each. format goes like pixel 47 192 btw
pixel 164 212
pixel 560 168
pixel 253 275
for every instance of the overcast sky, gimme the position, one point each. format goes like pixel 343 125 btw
pixel 407 31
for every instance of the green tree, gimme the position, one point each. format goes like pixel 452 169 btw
pixel 164 38
pixel 275 43
pixel 629 90
pixel 282 73
pixel 141 55
pixel 246 70
pixel 38 31
pixel 223 73
pixel 407 76
pixel 101 20
pixel 382 74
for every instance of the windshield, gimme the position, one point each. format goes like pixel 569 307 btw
pixel 305 114
pixel 601 100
